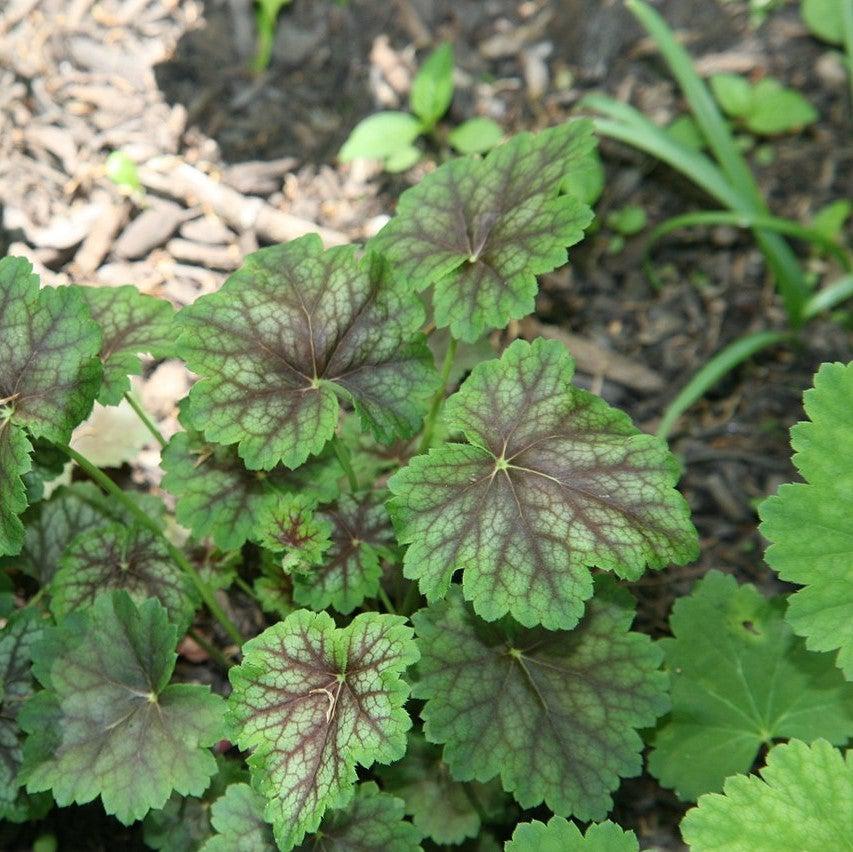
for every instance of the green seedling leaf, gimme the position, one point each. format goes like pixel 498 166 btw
pixel 551 482
pixel 553 713
pixel 560 835
pixel 585 180
pixel 16 685
pixel 292 330
pixel 238 818
pixel 476 136
pixel 830 220
pixel 49 376
pixel 480 231
pixel 311 701
pixel 767 108
pixel 289 526
pixel 445 810
pixel 108 722
pixel 402 159
pixel 121 170
pixel 808 524
pixel 803 800
pixel 740 680
pixel 432 88
pixel 349 572
pixel 218 497
pixel 381 137
pixel 825 19
pixel 131 323
pixel 733 94
pixel 121 556
pixel 628 220
pixel 685 131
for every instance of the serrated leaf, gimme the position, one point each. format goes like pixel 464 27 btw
pixel 803 800
pixel 808 524
pixel 238 817
pixel 480 231
pixel 740 679
pixel 182 825
pixel 121 556
pixel 312 701
pixel 289 526
pixel 132 324
pixel 350 571
pixel 432 88
pixel 560 835
pixel 48 464
pixel 16 685
pixel 553 482
pixel 555 714
pixel 292 330
pixel 218 497
pixel 445 810
pixel 49 376
pixel 108 722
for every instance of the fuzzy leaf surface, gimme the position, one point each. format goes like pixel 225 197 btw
pixel 312 701
pixel 808 524
pixel 121 556
pixel 560 835
pixel 108 721
pixel 554 713
pixel 803 800
pixel 552 481
pixel 350 571
pixel 131 323
pixel 49 377
pixel 238 817
pixel 740 679
pixel 481 230
pixel 290 332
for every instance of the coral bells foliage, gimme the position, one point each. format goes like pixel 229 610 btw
pixel 415 578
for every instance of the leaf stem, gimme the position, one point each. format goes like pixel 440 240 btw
pixel 146 420
pixel 386 601
pixel 438 399
pixel 246 588
pixel 343 455
pixel 411 599
pixel 209 648
pixel 207 595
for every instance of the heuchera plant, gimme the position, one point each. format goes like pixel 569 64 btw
pixel 449 637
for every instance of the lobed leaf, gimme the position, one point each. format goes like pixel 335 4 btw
pixel 560 835
pixel 553 713
pixel 311 701
pixel 480 231
pixel 551 482
pixel 291 331
pixel 238 817
pixel 289 526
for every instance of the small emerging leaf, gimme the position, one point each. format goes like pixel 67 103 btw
pixel 475 136
pixel 290 526
pixel 560 835
pixel 380 136
pixel 432 88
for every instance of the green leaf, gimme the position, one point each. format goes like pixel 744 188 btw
pixel 825 19
pixel 122 556
pixel 238 819
pixel 16 685
pixel 49 376
pixel 733 94
pixel 552 483
pixel 275 593
pixel 380 136
pixel 402 159
pixel 108 721
pixel 808 524
pixel 628 220
pixel 432 88
pixel 121 170
pixel 350 571
pixel 181 826
pixel 685 131
pixel 442 808
pixel 560 835
pixel 777 110
pixel 292 330
pixel 131 323
pixel 218 497
pixel 480 231
pixel 804 800
pixel 830 219
pixel 476 135
pixel 740 679
pixel 554 713
pixel 289 526
pixel 312 701
pixel 48 463
pixel 585 180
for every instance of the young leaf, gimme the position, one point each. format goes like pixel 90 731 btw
pixel 238 818
pixel 49 376
pixel 803 800
pixel 312 701
pixel 218 497
pixel 121 556
pixel 131 323
pixel 554 713
pixel 740 679
pixel 108 722
pixel 553 482
pixel 16 685
pixel 482 230
pixel 432 88
pixel 560 835
pixel 289 525
pixel 808 524
pixel 733 94
pixel 350 571
pixel 475 136
pixel 287 334
pixel 380 136
pixel 825 19
pixel 776 109
pixel 275 593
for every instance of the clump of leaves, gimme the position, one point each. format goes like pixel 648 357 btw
pixel 766 108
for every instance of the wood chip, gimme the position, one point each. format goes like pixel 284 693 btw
pixel 99 240
pixel 202 254
pixel 152 228
pixel 207 229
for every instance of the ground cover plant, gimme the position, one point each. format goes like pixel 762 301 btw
pixel 449 657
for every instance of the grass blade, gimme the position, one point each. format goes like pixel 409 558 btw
pixel 829 297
